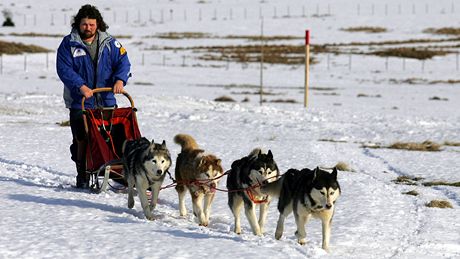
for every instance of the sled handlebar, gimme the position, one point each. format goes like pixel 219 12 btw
pixel 106 89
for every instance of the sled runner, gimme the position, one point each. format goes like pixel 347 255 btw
pixel 106 129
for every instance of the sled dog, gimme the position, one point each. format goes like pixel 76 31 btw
pixel 307 193
pixel 200 173
pixel 243 183
pixel 145 165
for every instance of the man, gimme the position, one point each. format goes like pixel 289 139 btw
pixel 89 58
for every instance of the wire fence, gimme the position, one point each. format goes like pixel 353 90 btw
pixel 162 13
pixel 326 62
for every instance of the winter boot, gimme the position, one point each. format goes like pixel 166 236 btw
pixel 82 177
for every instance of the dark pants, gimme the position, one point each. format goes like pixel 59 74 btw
pixel 79 141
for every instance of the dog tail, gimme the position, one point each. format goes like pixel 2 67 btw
pixel 255 152
pixel 186 142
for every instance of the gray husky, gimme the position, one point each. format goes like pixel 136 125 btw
pixel 307 193
pixel 145 166
pixel 243 183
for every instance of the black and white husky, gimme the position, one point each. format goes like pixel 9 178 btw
pixel 145 166
pixel 243 183
pixel 307 193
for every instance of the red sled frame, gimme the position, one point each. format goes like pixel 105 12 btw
pixel 107 128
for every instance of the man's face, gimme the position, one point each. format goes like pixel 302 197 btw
pixel 88 28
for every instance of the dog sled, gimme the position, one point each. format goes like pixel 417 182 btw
pixel 107 128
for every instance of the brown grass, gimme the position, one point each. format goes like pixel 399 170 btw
pixel 413 193
pixel 272 54
pixel 264 38
pixel 436 183
pixel 450 81
pixel 283 101
pixel 367 95
pixel 367 29
pixel 412 146
pixel 451 143
pixel 202 35
pixel 443 31
pixel 436 98
pixel 13 48
pixel 415 53
pixel 33 34
pixel 407 180
pixel 224 99
pixel 182 35
pixel 143 83
pixel 63 123
pixel 439 204
pixel 255 93
pixel 332 140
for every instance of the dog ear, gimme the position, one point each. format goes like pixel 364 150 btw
pixel 260 152
pixel 270 155
pixel 163 144
pixel 315 172
pixel 334 173
pixel 153 141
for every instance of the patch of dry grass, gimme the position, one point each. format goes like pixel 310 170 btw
pixel 33 34
pixel 443 31
pixel 451 143
pixel 255 93
pixel 409 52
pixel 181 35
pixel 413 193
pixel 63 123
pixel 367 29
pixel 283 101
pixel 224 99
pixel 13 48
pixel 413 146
pixel 407 180
pixel 143 83
pixel 436 183
pixel 436 98
pixel 439 204
pixel 264 38
pixel 272 54
pixel 367 95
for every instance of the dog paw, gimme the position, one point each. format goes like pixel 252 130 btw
pixel 131 205
pixel 278 236
pixel 204 223
pixel 150 217
pixel 302 241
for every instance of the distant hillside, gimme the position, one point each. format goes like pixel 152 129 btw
pixel 19 48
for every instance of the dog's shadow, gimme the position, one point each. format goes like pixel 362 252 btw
pixel 75 203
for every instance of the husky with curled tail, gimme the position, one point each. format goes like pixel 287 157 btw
pixel 200 173
pixel 307 193
pixel 145 165
pixel 243 183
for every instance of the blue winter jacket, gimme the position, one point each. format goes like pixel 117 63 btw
pixel 75 68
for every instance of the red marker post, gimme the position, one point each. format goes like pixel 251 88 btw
pixel 307 66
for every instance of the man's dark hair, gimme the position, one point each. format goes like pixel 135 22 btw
pixel 91 12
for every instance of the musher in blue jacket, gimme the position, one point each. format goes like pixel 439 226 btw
pixel 89 58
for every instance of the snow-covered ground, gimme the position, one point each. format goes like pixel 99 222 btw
pixel 44 217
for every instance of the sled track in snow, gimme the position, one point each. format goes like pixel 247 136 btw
pixel 31 174
pixel 408 240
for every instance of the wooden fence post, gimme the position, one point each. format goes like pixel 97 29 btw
pixel 307 66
